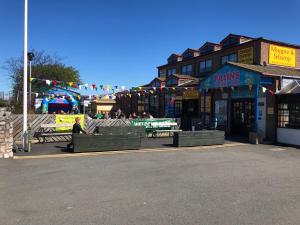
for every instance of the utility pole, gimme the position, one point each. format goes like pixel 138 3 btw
pixel 25 77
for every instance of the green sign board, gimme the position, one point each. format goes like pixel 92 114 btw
pixel 152 123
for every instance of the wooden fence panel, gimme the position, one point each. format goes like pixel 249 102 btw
pixel 35 121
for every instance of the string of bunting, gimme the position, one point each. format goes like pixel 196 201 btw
pixel 108 87
pixel 80 86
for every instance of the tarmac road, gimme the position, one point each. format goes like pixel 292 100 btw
pixel 237 185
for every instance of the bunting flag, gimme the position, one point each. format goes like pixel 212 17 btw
pixel 137 91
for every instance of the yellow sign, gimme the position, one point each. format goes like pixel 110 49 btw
pixel 191 94
pixel 246 55
pixel 282 56
pixel 68 119
pixel 208 104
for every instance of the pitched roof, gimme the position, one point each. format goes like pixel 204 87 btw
pixel 292 88
pixel 181 76
pixel 161 78
pixel 190 83
pixel 209 43
pixel 235 35
pixel 269 70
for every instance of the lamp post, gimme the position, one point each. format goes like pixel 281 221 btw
pixel 30 56
pixel 25 78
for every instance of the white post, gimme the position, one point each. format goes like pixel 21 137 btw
pixel 25 78
pixel 30 87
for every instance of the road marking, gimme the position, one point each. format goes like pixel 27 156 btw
pixel 277 149
pixel 128 151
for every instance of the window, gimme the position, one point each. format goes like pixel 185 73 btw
pixel 289 115
pixel 162 73
pixel 231 58
pixel 187 69
pixel 178 108
pixel 205 66
pixel 171 72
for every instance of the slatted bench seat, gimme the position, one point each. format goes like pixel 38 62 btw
pixel 42 133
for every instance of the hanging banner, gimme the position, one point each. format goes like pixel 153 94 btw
pixel 207 104
pixel 68 119
pixel 245 55
pixel 282 56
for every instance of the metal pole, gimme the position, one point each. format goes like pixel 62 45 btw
pixel 25 77
pixel 30 87
pixel 256 107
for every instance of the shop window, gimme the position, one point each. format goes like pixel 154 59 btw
pixel 231 58
pixel 289 115
pixel 205 66
pixel 187 69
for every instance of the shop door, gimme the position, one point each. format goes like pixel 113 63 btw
pixel 262 116
pixel 189 111
pixel 242 116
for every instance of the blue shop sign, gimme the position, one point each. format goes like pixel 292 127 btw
pixel 230 76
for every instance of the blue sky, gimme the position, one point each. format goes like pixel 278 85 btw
pixel 121 42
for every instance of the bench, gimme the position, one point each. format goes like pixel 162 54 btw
pixel 42 133
pixel 165 128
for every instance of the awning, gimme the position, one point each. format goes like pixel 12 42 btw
pixel 291 88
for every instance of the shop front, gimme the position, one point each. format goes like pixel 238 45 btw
pixel 288 114
pixel 238 100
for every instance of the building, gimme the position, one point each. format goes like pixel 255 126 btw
pixel 237 81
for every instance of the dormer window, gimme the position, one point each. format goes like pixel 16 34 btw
pixel 190 53
pixel 209 47
pixel 233 39
pixel 174 58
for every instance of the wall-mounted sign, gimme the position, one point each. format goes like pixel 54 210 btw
pixel 282 56
pixel 230 76
pixel 245 55
pixel 191 94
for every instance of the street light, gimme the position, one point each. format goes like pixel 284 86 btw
pixel 30 56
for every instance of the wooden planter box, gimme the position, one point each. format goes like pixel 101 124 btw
pixel 108 139
pixel 198 138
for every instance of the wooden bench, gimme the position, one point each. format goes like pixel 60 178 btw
pixel 166 128
pixel 42 133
